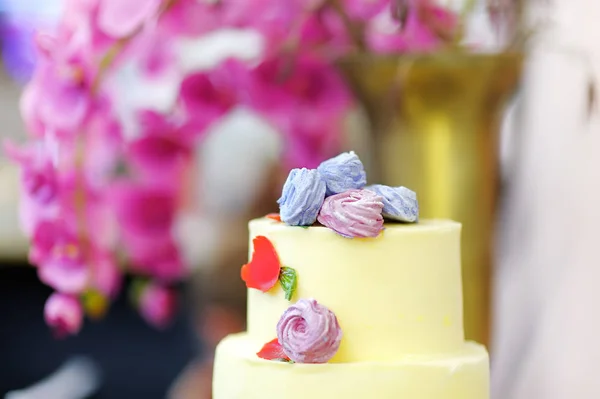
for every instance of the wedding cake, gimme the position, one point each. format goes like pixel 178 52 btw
pixel 351 296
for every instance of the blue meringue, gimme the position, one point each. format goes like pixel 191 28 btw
pixel 302 197
pixel 342 173
pixel 399 203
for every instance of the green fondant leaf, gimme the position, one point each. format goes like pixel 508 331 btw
pixel 288 280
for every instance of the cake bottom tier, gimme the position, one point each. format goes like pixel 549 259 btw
pixel 240 374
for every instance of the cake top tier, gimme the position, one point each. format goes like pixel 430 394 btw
pixel 393 295
pixel 395 266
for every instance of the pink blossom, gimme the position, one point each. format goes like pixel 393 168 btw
pixel 64 314
pixel 144 211
pixel 305 84
pixel 207 96
pixel 427 25
pixel 155 56
pixel 87 209
pixel 39 184
pixel 59 257
pixel 365 9
pixel 157 304
pixel 163 151
pixel 146 216
pixel 118 18
pixel 68 267
pixel 193 17
pixel 65 270
pixel 325 32
pixel 103 146
pixel 158 257
pixel 307 100
pixel 58 97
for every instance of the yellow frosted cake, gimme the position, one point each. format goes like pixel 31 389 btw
pixel 351 307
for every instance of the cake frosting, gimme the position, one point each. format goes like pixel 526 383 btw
pixel 239 374
pixel 397 294
pixel 350 306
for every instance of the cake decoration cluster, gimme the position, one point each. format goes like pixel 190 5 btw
pixel 335 194
pixel 307 332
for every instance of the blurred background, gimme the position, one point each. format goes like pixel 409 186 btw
pixel 119 357
pixel 521 173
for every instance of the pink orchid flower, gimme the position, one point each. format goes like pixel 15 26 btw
pixel 193 17
pixel 58 98
pixel 118 18
pixel 146 216
pixel 60 260
pixel 163 152
pixel 426 26
pixel 306 100
pixel 282 85
pixel 39 184
pixel 157 258
pixel 64 314
pixel 365 9
pixel 207 96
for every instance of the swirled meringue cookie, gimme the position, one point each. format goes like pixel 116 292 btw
pixel 342 173
pixel 302 197
pixel 399 203
pixel 353 213
pixel 309 332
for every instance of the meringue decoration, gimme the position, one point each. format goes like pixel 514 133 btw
pixel 342 173
pixel 354 213
pixel 302 197
pixel 309 332
pixel 399 203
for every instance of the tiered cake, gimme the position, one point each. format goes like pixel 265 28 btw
pixel 375 316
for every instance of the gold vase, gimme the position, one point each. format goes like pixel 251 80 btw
pixel 435 121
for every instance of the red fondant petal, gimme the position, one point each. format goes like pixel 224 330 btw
pixel 263 270
pixel 273 351
pixel 274 216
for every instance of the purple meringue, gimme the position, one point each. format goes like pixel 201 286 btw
pixel 399 203
pixel 342 173
pixel 354 213
pixel 309 332
pixel 301 198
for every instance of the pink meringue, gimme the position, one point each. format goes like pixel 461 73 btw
pixel 309 332
pixel 353 213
